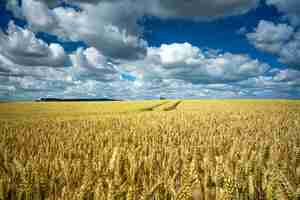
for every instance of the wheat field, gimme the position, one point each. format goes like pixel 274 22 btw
pixel 151 150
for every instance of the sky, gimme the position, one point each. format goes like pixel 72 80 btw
pixel 141 49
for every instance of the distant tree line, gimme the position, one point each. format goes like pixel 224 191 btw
pixel 75 99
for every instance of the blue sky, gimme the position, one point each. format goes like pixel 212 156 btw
pixel 147 49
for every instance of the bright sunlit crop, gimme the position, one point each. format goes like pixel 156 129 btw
pixel 238 149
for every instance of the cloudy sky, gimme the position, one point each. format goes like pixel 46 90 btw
pixel 141 49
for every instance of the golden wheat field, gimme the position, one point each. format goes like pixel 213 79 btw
pixel 151 150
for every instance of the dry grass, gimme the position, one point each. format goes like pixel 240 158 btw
pixel 203 150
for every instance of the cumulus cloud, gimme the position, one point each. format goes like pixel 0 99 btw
pixel 86 65
pixel 47 73
pixel 22 47
pixel 194 9
pixel 271 37
pixel 287 75
pixel 264 86
pixel 91 75
pixel 38 14
pixel 112 25
pixel 32 82
pixel 291 8
pixel 61 82
pixel 120 64
pixel 280 84
pixel 30 68
pixel 33 78
pixel 91 64
pixel 183 61
pixel 281 40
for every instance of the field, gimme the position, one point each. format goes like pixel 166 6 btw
pixel 151 150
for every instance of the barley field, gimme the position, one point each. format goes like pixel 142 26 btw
pixel 150 150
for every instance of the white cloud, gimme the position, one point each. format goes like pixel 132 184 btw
pixel 112 26
pixel 30 66
pixel 288 75
pixel 87 65
pixel 107 34
pixel 8 88
pixel 88 58
pixel 260 86
pixel 291 8
pixel 92 76
pixel 281 40
pixel 22 47
pixel 194 9
pixel 61 83
pixel 91 64
pixel 38 15
pixel 290 53
pixel 191 64
pixel 271 37
pixel 35 69
pixel 94 57
pixel 111 29
pixel 29 83
pixel 175 53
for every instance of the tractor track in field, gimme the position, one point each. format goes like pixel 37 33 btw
pixel 172 107
pixel 152 108
pixel 160 107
